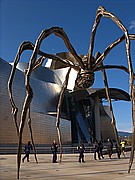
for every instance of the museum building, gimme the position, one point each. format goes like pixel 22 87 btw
pixel 83 115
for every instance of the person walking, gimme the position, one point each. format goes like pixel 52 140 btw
pixel 54 151
pixel 123 147
pixel 118 150
pixel 27 149
pixel 81 149
pixel 109 148
pixel 96 150
pixel 101 149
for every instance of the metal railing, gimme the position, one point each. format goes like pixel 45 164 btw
pixel 44 149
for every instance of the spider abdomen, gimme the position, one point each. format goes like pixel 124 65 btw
pixel 85 79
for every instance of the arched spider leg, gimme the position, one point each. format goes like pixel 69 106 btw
pixel 44 34
pixel 21 48
pixel 64 87
pixel 110 106
pixel 132 96
pixel 133 118
pixel 38 63
pixel 60 33
pixel 102 56
pixel 133 132
pixel 24 46
pixel 26 106
pixel 101 12
pixel 29 92
pixel 133 104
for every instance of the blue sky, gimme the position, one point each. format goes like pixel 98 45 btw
pixel 23 20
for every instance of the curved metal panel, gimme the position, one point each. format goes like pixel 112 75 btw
pixel 41 73
pixel 45 100
pixel 115 93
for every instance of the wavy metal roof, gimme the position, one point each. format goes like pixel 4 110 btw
pixel 115 94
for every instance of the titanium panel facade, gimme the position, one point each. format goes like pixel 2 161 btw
pixel 77 118
pixel 44 101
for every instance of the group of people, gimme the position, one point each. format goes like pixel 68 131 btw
pixel 98 150
pixel 119 148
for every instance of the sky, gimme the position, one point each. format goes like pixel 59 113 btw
pixel 23 20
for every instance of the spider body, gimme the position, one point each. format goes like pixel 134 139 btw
pixel 85 79
pixel 86 68
pixel 86 75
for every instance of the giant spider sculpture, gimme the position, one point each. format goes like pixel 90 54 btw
pixel 86 67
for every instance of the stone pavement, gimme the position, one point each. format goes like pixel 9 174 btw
pixel 105 169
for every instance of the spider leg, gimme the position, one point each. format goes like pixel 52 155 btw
pixel 133 109
pixel 108 49
pixel 106 52
pixel 30 128
pixel 133 132
pixel 101 12
pixel 132 36
pixel 110 106
pixel 26 105
pixel 37 64
pixel 133 116
pixel 32 64
pixel 44 34
pixel 22 47
pixel 60 33
pixel 132 77
pixel 113 67
pixel 64 86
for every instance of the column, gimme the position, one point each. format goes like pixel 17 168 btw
pixel 97 118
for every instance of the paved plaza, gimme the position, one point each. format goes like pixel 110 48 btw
pixel 105 169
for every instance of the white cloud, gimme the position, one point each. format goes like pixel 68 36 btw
pixel 132 25
pixel 126 127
